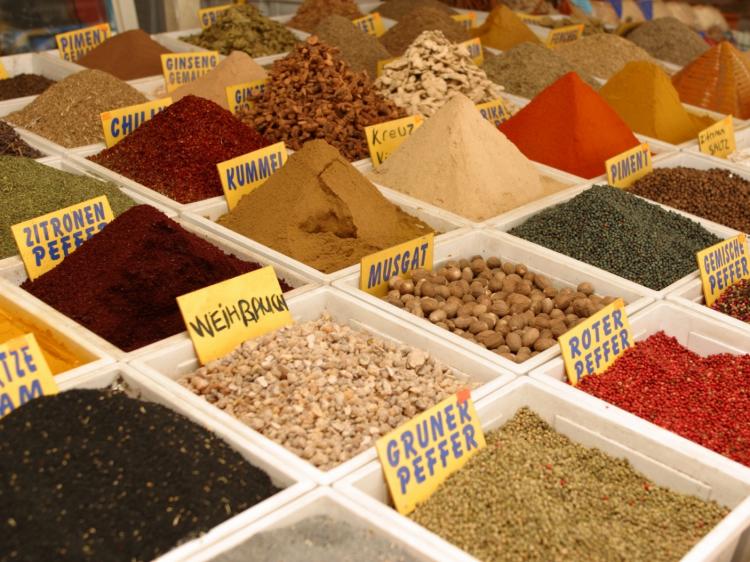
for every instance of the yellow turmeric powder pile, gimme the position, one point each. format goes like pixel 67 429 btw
pixel 504 30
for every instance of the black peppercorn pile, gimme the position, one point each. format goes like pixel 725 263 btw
pixel 95 475
pixel 616 231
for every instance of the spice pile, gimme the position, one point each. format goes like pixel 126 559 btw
pixel 318 209
pixel 533 494
pixel 30 189
pixel 602 54
pixel 668 39
pixel 311 12
pixel 399 9
pixel 618 232
pixel 398 38
pixel 499 305
pixel 127 56
pixel 13 145
pixel 431 71
pixel 189 128
pixel 319 388
pixel 122 283
pixel 121 479
pixel 504 30
pixel 717 195
pixel 23 85
pixel 735 301
pixel 68 112
pixel 361 51
pixel 243 28
pixel 313 94
pixel 703 399
pixel 487 175
pixel 570 127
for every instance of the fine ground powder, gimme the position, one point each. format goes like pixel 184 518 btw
pixel 602 54
pixel 398 38
pixel 668 39
pixel 311 12
pixel 128 56
pixel 360 50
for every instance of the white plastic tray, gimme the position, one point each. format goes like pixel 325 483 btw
pixel 294 483
pixel 690 296
pixel 168 363
pixel 649 453
pixel 562 273
pixel 33 63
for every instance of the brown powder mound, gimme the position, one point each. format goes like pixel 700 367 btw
pixel 398 38
pixel 318 209
pixel 127 56
pixel 312 12
pixel 399 9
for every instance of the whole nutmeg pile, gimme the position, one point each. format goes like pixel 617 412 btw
pixel 502 306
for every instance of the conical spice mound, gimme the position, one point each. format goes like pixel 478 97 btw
pixel 718 80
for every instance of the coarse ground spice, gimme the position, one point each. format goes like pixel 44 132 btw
pixel 128 56
pixel 313 94
pixel 68 112
pixel 717 195
pixel 244 28
pixel 399 9
pixel 504 30
pixel 320 210
pixel 735 301
pixel 22 85
pixel 703 399
pixel 533 494
pixel 324 390
pixel 29 189
pixel 620 233
pixel 197 135
pixel 398 38
pixel 13 145
pixel 528 68
pixel 96 475
pixel 602 54
pixel 311 12
pixel 318 538
pixel 668 39
pixel 360 50
pixel 122 283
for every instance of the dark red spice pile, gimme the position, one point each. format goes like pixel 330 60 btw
pixel 122 284
pixel 704 399
pixel 735 301
pixel 176 152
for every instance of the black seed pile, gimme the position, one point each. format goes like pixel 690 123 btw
pixel 616 231
pixel 96 475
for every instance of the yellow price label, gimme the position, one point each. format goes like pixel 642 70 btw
pixel 3 72
pixel 592 346
pixel 474 46
pixel 419 455
pixel 495 111
pixel 222 316
pixel 469 21
pixel 45 241
pixel 208 16
pixel 722 265
pixel 119 123
pixel 627 168
pixel 384 138
pixel 718 139
pixel 528 18
pixel 377 269
pixel 563 35
pixel 24 373
pixel 382 63
pixel 182 68
pixel 372 24
pixel 72 45
pixel 240 96
pixel 241 175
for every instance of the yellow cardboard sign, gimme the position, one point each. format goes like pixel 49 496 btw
pixel 475 50
pixel 72 45
pixel 208 16
pixel 372 24
pixel 592 346
pixel 563 35
pixel 469 20
pixel 241 175
pixel 718 139
pixel 119 123
pixel 240 96
pixel 625 169
pixel 382 63
pixel 220 317
pixel 419 455
pixel 722 265
pixel 377 269
pixel 384 138
pixel 3 72
pixel 24 373
pixel 45 241
pixel 182 68
pixel 528 18
pixel 495 111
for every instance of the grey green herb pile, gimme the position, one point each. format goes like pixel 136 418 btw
pixel 535 495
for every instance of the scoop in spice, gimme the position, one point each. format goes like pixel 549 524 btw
pixel 311 12
pixel 128 56
pixel 398 38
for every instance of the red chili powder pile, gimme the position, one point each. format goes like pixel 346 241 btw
pixel 704 399
pixel 176 152
pixel 122 284
pixel 570 127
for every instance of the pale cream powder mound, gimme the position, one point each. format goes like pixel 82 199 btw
pixel 460 162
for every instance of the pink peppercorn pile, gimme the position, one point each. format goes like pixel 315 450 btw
pixel 735 301
pixel 704 399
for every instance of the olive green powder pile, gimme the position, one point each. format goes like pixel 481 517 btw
pixel 534 495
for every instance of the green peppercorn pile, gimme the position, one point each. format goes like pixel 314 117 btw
pixel 621 233
pixel 535 495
